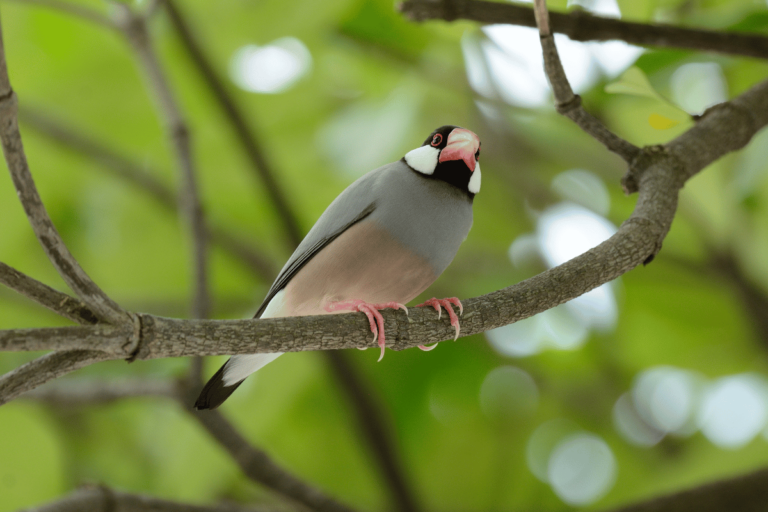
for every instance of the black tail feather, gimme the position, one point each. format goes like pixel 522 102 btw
pixel 215 392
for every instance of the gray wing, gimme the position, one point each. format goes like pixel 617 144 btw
pixel 354 204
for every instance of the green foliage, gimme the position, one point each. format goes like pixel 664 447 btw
pixel 459 451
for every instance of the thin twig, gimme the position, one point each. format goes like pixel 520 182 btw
pixel 102 499
pixel 568 103
pixel 366 412
pixel 243 129
pixel 69 393
pixel 659 173
pixel 101 305
pixel 144 180
pixel 135 30
pixel 44 369
pixel 581 26
pixel 58 302
pixel 374 428
pixel 254 463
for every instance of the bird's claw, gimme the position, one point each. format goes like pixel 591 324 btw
pixel 439 304
pixel 371 311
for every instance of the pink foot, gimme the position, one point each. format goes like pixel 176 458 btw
pixel 444 303
pixel 372 312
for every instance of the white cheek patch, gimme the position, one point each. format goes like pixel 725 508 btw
pixel 474 181
pixel 423 159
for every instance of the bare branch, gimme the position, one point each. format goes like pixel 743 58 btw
pixel 659 173
pixel 569 104
pixel 746 493
pixel 135 30
pixel 243 129
pixel 69 393
pixel 101 305
pixel 257 465
pixel 102 499
pixel 374 428
pixel 44 369
pixel 72 9
pixel 144 180
pixel 113 340
pixel 58 302
pixel 581 26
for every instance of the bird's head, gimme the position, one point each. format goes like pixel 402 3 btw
pixel 450 154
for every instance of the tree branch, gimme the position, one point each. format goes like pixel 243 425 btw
pixel 135 30
pixel 44 369
pixel 103 499
pixel 659 173
pixel 374 428
pixel 243 130
pixel 569 104
pixel 70 393
pixel 581 26
pixel 254 463
pixel 101 305
pixel 144 180
pixel 745 493
pixel 58 302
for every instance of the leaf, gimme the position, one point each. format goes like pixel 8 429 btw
pixel 635 83
pixel 659 122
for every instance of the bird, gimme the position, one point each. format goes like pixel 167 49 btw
pixel 378 245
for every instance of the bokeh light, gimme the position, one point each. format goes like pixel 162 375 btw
pixel 563 232
pixel 733 410
pixel 698 86
pixel 578 465
pixel 582 468
pixel 272 68
pixel 507 393
pixel 503 65
pixel 345 138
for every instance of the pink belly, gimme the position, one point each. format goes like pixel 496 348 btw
pixel 364 263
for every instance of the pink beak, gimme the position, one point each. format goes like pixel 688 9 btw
pixel 462 145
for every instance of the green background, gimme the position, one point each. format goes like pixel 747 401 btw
pixel 456 454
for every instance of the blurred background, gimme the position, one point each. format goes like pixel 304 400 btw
pixel 649 384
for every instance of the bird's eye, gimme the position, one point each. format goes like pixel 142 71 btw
pixel 437 139
pixel 477 155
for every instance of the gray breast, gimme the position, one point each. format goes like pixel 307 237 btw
pixel 427 215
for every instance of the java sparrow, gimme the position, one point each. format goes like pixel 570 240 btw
pixel 379 244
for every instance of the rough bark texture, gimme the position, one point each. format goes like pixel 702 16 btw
pixel 58 302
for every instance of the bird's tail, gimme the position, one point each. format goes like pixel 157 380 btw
pixel 232 373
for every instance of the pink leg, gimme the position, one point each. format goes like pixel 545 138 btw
pixel 438 304
pixel 375 319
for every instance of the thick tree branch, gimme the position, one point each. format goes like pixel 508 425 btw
pixel 659 173
pixel 135 30
pixel 581 26
pixel 243 129
pixel 746 493
pixel 103 499
pixel 102 306
pixel 144 180
pixel 58 302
